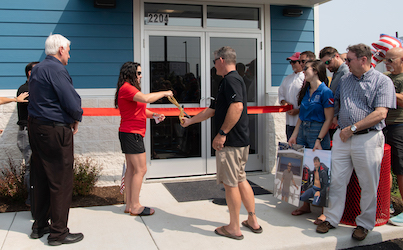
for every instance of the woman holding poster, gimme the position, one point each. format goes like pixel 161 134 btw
pixel 315 115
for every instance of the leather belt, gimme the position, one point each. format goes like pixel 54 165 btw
pixel 364 131
pixel 50 123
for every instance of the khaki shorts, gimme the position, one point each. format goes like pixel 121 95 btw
pixel 231 163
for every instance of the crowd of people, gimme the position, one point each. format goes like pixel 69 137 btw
pixel 351 110
pixel 353 107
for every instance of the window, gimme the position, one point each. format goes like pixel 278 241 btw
pixel 233 17
pixel 161 14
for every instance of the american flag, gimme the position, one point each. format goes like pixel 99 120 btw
pixel 122 182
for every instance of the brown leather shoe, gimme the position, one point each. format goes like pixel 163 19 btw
pixel 359 233
pixel 324 227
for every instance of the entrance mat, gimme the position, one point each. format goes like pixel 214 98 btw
pixel 204 190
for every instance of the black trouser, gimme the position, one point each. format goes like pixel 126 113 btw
pixel 52 164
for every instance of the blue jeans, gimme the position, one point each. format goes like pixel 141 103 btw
pixel 311 193
pixel 308 132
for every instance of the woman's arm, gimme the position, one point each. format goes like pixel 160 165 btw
pixel 329 112
pixel 151 97
pixel 293 138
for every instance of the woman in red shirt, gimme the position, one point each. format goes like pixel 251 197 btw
pixel 132 105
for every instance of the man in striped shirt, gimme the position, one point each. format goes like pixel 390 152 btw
pixel 365 95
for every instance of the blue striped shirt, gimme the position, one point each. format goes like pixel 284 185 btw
pixel 358 97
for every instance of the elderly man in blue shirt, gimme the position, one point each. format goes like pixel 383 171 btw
pixel 54 112
pixel 365 95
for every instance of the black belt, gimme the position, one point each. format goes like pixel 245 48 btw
pixel 364 131
pixel 50 123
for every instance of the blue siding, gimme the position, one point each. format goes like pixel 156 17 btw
pixel 101 39
pixel 288 35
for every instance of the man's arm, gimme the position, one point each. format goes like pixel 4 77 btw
pixel 234 112
pixel 370 120
pixel 399 99
pixel 203 115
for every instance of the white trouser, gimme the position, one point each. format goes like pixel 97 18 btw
pixel 363 153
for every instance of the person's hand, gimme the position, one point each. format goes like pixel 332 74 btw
pixel 334 123
pixel 292 140
pixel 160 117
pixel 21 97
pixel 218 142
pixel 1 131
pixel 74 126
pixel 317 193
pixel 185 122
pixel 345 134
pixel 293 112
pixel 317 145
pixel 168 93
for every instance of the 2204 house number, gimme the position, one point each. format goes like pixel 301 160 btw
pixel 158 18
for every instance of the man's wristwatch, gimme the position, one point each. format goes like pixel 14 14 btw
pixel 353 128
pixel 222 133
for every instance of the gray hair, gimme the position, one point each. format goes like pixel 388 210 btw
pixel 226 53
pixel 361 50
pixel 54 42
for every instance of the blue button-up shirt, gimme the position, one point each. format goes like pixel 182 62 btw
pixel 52 96
pixel 359 97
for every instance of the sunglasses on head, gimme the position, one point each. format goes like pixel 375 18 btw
pixel 292 62
pixel 331 58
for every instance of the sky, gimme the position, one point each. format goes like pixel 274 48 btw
pixel 348 22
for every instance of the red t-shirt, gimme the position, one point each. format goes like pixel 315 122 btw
pixel 133 114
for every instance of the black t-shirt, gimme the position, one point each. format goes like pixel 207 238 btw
pixel 22 107
pixel 232 89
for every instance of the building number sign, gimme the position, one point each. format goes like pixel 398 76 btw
pixel 158 18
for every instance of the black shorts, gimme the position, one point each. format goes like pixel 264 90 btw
pixel 131 143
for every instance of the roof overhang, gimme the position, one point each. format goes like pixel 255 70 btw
pixel 308 3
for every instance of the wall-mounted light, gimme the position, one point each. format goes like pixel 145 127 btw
pixel 105 4
pixel 292 12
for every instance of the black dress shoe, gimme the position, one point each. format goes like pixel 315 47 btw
pixel 39 232
pixel 70 238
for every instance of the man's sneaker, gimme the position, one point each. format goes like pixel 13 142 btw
pixel 324 227
pixel 359 233
pixel 39 232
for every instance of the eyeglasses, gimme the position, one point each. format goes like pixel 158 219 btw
pixel 139 73
pixel 216 60
pixel 292 62
pixel 349 59
pixel 389 60
pixel 328 61
pixel 304 61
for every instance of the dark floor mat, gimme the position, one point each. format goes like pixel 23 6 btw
pixel 204 190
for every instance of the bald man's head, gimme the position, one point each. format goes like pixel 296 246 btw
pixel 394 60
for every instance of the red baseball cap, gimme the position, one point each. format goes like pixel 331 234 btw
pixel 294 57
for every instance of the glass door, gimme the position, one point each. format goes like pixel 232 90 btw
pixel 248 62
pixel 175 62
pixel 182 62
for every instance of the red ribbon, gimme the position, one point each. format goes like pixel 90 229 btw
pixel 252 110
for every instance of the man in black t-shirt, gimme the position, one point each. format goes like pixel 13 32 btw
pixel 231 143
pixel 22 136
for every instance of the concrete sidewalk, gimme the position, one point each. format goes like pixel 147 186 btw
pixel 189 225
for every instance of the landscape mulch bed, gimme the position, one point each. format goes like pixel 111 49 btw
pixel 99 196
